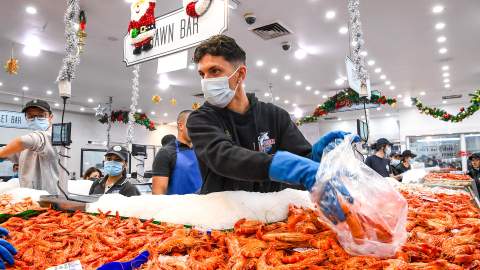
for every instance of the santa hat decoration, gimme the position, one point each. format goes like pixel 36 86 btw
pixel 197 8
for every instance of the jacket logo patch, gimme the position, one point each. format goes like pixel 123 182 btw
pixel 228 134
pixel 265 143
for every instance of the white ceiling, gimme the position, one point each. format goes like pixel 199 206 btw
pixel 400 36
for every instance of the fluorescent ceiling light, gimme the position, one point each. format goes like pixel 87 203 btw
pixel 31 10
pixel 439 140
pixel 441 39
pixel 437 9
pixel 440 26
pixel 330 14
pixel 32 46
pixel 300 54
pixel 343 30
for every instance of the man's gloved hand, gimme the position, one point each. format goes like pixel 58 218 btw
pixel 292 169
pixel 328 201
pixel 7 251
pixel 319 146
pixel 130 265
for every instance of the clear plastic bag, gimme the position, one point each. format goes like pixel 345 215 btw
pixel 375 213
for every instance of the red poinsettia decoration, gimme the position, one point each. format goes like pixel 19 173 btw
pixel 122 117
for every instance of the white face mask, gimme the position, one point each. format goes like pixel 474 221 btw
pixel 394 162
pixel 217 90
pixel 388 151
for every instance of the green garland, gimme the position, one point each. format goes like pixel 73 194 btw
pixel 122 117
pixel 447 117
pixel 345 98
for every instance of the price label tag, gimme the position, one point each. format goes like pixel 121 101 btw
pixel 75 265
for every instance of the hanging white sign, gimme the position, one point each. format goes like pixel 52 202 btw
pixel 177 31
pixel 354 81
pixel 10 119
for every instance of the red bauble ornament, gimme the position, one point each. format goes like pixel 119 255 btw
pixel 191 10
pixel 197 8
pixel 462 109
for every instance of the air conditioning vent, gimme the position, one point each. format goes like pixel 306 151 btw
pixel 452 97
pixel 330 118
pixel 271 31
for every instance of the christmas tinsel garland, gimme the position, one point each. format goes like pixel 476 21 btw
pixel 345 98
pixel 122 117
pixel 447 117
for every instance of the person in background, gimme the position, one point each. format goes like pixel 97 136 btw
pixel 168 139
pixel 115 180
pixel 175 169
pixel 379 162
pixel 34 153
pixel 405 165
pixel 395 159
pixel 474 170
pixel 243 143
pixel 15 170
pixel 92 174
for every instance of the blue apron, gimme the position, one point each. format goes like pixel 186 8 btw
pixel 186 177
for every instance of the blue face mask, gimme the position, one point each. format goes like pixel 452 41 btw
pixel 113 168
pixel 217 90
pixel 41 124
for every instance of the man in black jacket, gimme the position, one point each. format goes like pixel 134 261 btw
pixel 242 143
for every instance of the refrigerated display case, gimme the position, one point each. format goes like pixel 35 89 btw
pixel 438 150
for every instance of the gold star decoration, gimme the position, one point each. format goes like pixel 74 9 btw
pixel 156 99
pixel 11 66
pixel 196 106
pixel 173 101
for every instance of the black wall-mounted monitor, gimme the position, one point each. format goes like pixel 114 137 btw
pixel 362 130
pixel 62 134
pixel 139 150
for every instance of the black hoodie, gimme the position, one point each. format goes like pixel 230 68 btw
pixel 235 150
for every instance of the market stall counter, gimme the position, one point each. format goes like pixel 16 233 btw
pixel 239 230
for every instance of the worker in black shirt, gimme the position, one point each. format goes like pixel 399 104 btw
pixel 242 143
pixel 115 180
pixel 167 139
pixel 405 165
pixel 474 170
pixel 175 169
pixel 379 162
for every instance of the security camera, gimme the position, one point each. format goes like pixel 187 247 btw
pixel 286 46
pixel 250 18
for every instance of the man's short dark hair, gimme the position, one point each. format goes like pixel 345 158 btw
pixel 221 45
pixel 167 139
pixel 183 115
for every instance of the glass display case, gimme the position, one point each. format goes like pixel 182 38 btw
pixel 472 142
pixel 91 158
pixel 438 150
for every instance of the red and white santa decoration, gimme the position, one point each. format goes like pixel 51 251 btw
pixel 141 28
pixel 196 8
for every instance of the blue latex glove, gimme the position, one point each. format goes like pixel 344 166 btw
pixel 130 265
pixel 319 146
pixel 7 251
pixel 292 169
pixel 329 204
